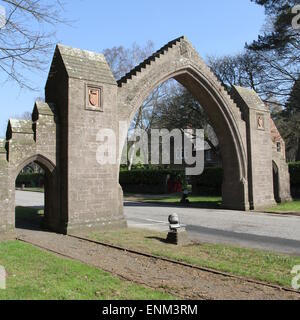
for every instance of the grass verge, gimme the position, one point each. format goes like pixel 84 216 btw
pixel 256 264
pixel 34 274
pixel 40 190
pixel 200 201
pixel 286 207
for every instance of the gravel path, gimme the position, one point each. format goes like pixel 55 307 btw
pixel 181 281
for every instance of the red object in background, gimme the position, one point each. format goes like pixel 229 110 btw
pixel 41 183
pixel 178 186
pixel 174 186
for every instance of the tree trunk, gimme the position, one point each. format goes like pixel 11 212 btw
pixel 131 156
pixel 138 120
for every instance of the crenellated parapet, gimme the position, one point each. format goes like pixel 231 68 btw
pixel 26 138
pixel 27 141
pixel 20 141
pixel 176 58
pixel 46 124
pixel 3 152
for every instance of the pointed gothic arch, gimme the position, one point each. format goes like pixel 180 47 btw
pixel 179 60
pixel 50 183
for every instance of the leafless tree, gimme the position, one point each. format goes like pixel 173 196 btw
pixel 251 70
pixel 26 39
pixel 182 111
pixel 25 116
pixel 121 61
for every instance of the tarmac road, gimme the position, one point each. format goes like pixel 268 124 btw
pixel 273 232
pixel 280 233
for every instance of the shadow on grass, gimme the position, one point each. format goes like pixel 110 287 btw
pixel 158 239
pixel 29 218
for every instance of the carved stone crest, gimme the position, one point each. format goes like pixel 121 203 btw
pixel 260 122
pixel 94 97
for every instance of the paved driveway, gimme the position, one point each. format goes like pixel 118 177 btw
pixel 257 230
pixel 29 199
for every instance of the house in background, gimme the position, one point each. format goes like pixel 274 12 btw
pixel 212 155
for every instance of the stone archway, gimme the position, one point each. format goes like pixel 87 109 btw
pixel 179 60
pixel 26 142
pixel 51 212
pixel 65 128
pixel 276 186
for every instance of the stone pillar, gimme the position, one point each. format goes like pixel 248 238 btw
pixel 283 176
pixel 84 90
pixel 259 148
pixel 6 224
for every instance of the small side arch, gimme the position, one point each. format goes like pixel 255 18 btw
pixel 276 182
pixel 47 165
pixel 51 201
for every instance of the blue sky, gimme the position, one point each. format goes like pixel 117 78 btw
pixel 214 27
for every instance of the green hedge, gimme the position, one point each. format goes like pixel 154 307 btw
pixel 211 177
pixel 209 183
pixel 154 180
pixel 149 177
pixel 294 168
pixel 30 180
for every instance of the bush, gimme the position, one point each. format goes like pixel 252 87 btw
pixel 212 177
pixel 209 183
pixel 211 180
pixel 30 180
pixel 149 177
pixel 294 168
pixel 149 180
pixel 154 180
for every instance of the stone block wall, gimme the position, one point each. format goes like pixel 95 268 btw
pixel 93 188
pixel 90 191
pixel 28 141
pixel 259 147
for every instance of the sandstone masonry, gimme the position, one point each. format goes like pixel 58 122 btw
pixel 82 97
